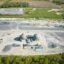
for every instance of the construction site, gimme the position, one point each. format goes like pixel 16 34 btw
pixel 31 37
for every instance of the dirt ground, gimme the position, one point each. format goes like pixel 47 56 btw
pixel 42 4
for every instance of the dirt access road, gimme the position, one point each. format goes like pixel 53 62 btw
pixel 44 4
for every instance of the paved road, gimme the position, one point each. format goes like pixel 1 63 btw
pixel 16 25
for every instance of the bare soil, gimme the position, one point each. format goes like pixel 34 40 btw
pixel 42 4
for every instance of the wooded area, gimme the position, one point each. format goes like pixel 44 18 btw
pixel 37 59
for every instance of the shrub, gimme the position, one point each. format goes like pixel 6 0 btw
pixel 24 4
pixel 14 4
pixel 58 2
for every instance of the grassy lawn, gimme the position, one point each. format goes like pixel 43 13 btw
pixel 38 13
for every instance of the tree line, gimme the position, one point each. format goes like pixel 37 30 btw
pixel 14 4
pixel 37 59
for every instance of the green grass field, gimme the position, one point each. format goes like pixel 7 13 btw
pixel 38 13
